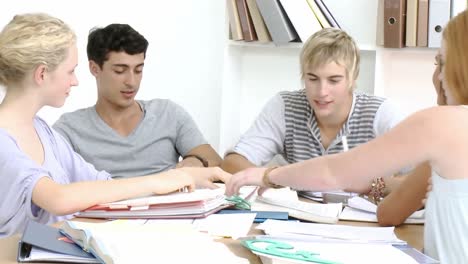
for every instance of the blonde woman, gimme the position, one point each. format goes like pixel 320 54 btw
pixel 408 198
pixel 41 178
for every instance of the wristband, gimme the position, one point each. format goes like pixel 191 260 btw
pixel 201 159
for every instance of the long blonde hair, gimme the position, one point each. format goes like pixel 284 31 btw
pixel 455 36
pixel 30 40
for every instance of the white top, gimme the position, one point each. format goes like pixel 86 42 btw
pixel 446 228
pixel 265 138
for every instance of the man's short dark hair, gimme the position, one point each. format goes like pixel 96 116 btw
pixel 117 38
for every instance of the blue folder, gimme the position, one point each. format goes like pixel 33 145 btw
pixel 261 215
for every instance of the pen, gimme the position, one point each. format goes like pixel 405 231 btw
pixel 344 140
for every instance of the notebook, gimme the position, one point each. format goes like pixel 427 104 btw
pixel 197 204
pixel 42 243
pixel 286 200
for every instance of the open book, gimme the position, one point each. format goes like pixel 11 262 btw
pixel 197 204
pixel 286 200
pixel 127 241
pixel 360 209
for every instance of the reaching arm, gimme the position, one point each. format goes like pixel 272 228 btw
pixel 406 199
pixel 62 199
pixel 205 152
pixel 436 135
pixel 234 162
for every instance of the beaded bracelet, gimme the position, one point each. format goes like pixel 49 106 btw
pixel 377 190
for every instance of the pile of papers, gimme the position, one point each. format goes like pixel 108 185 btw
pixel 360 209
pixel 197 204
pixel 297 242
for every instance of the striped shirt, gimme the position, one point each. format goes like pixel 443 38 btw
pixel 303 140
pixel 286 126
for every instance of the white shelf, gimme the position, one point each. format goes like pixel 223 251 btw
pixel 254 72
pixel 291 45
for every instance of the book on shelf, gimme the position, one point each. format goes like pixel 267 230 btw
pixel 248 30
pixel 197 204
pixel 260 28
pixel 318 14
pixel 42 243
pixel 235 27
pixel 280 21
pixel 439 15
pixel 126 241
pixel 379 38
pixel 394 23
pixel 411 23
pixel 277 21
pixel 328 15
pixel 423 20
pixel 302 18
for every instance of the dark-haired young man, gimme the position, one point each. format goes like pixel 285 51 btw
pixel 122 135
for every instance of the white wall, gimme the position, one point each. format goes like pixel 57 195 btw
pixel 407 77
pixel 190 62
pixel 184 59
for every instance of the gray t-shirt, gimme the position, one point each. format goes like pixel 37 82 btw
pixel 19 175
pixel 165 133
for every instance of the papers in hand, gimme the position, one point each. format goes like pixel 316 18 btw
pixel 360 209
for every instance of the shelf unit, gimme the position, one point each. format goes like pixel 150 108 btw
pixel 254 72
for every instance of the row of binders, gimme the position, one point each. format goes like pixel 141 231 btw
pixel 400 23
pixel 277 21
pixel 415 23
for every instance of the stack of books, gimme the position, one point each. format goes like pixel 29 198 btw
pixel 197 204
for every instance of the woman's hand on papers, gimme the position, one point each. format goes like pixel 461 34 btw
pixel 173 180
pixel 250 176
pixel 205 177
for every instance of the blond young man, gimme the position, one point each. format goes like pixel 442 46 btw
pixel 321 118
